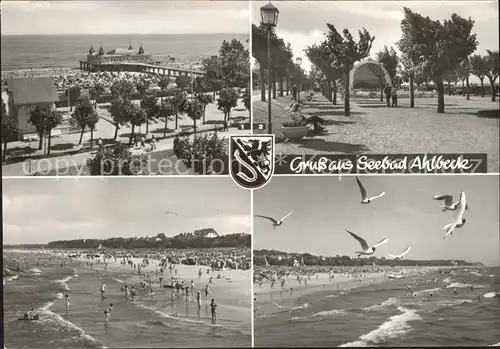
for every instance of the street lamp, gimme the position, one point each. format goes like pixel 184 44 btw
pixel 269 19
pixel 298 60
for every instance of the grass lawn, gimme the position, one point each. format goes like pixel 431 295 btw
pixel 466 127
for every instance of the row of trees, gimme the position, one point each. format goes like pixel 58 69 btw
pixel 430 51
pixel 159 241
pixel 283 69
pixel 279 258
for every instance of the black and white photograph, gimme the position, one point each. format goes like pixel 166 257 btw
pixel 377 77
pixel 126 263
pixel 377 261
pixel 141 86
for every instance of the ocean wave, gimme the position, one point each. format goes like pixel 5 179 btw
pixel 495 345
pixel 330 312
pixel 36 271
pixel 59 321
pixel 429 290
pixel 459 285
pixel 303 306
pixel 452 303
pixel 391 302
pixel 118 280
pixel 59 295
pixel 64 281
pixel 332 296
pixel 12 278
pixel 475 273
pixel 173 317
pixel 395 327
pixel 490 295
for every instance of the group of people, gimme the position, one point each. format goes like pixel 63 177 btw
pixel 391 95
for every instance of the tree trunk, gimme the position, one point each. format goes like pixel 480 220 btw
pixel 493 89
pixel 81 135
pixel 48 145
pixel 274 86
pixel 449 88
pixel 204 114
pixel 4 154
pixel 91 138
pixel 440 90
pixel 412 93
pixel 116 131
pixel 334 83
pixel 147 124
pixel 347 109
pixel 262 84
pixel 281 86
pixel 165 128
pixel 40 141
pixel 381 92
pixel 468 87
pixel 176 120
pixel 194 122
pixel 482 86
pixel 287 85
pixel 131 134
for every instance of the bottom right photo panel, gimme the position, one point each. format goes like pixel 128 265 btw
pixel 377 260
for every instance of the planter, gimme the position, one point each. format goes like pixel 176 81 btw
pixel 295 133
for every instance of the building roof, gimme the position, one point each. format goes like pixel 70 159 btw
pixel 32 90
pixel 120 51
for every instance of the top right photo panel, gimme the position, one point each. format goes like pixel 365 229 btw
pixel 390 86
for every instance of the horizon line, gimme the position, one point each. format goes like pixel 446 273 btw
pixel 136 34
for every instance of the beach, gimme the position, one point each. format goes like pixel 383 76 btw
pixel 380 310
pixel 157 320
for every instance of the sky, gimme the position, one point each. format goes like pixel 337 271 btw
pixel 124 17
pixel 43 210
pixel 323 207
pixel 303 23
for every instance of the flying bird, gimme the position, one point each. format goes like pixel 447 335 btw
pixel 367 250
pixel 170 212
pixel 400 256
pixel 276 223
pixel 459 220
pixel 449 205
pixel 364 196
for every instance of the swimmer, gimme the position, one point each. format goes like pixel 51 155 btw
pixel 198 299
pixel 107 312
pixel 133 293
pixel 213 308
pixel 67 300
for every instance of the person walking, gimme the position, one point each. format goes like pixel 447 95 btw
pixel 213 307
pixel 143 142
pixel 99 143
pixel 394 95
pixel 387 92
pixel 153 143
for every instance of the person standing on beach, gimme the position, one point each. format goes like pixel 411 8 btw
pixel 153 143
pixel 103 289
pixel 126 293
pixel 213 308
pixel 394 95
pixel 207 291
pixel 133 293
pixel 192 287
pixel 143 142
pixel 67 300
pixel 107 312
pixel 198 299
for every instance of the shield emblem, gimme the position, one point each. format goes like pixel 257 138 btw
pixel 251 160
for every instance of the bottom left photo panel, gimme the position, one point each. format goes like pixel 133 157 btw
pixel 126 263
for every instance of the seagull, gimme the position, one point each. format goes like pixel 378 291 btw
pixel 449 205
pixel 400 256
pixel 364 196
pixel 367 250
pixel 459 217
pixel 279 306
pixel 275 222
pixel 170 212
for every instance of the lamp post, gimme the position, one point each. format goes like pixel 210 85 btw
pixel 269 19
pixel 298 60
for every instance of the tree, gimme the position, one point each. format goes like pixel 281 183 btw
pixel 479 68
pixel 492 71
pixel 234 64
pixel 228 99
pixel 45 119
pixel 117 114
pixel 163 83
pixel 96 91
pixel 122 89
pixel 344 52
pixel 116 161
pixel 166 111
pixel 247 102
pixel 150 106
pixel 182 81
pixel 133 114
pixel 463 73
pixel 378 71
pixel 205 100
pixel 92 121
pixel 450 76
pixel 10 130
pixel 179 104
pixel 437 46
pixel 142 86
pixel 390 60
pixel 194 109
pixel 72 94
pixel 81 115
pixel 213 77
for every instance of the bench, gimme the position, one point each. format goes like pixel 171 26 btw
pixel 30 137
pixel 17 153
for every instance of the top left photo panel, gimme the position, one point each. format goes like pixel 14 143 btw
pixel 123 88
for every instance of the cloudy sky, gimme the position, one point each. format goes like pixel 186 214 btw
pixel 124 17
pixel 323 207
pixel 303 23
pixel 43 210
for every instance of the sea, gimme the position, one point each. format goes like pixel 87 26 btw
pixel 388 314
pixel 24 52
pixel 149 322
